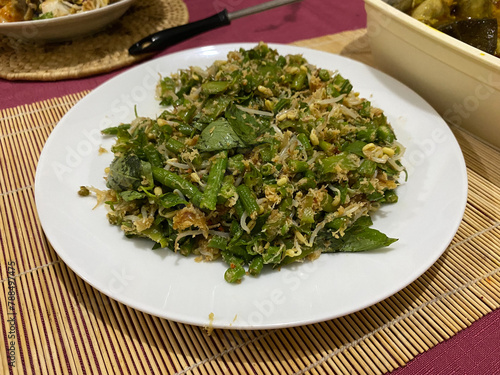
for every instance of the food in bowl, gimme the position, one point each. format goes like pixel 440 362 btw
pixel 258 160
pixel 474 22
pixel 27 10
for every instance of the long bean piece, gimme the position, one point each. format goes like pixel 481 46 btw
pixel 175 181
pixel 217 171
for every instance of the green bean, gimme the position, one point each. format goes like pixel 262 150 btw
pixel 253 177
pixel 365 109
pixel 234 274
pixel 235 231
pixel 267 169
pixel 166 129
pixel 346 87
pixel 218 242
pixel 267 153
pixel 115 129
pixel 235 164
pixel 390 196
pixel 324 75
pixel 227 189
pixel 248 199
pixel 299 81
pixel 186 129
pixel 239 209
pixel 338 80
pixel 298 166
pixel 256 265
pixel 174 181
pixel 332 90
pixel 174 146
pixel 187 114
pixel 304 140
pixel 153 156
pixel 230 259
pixel 325 146
pixel 215 177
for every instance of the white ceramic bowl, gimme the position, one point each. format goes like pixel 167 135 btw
pixel 66 27
pixel 461 82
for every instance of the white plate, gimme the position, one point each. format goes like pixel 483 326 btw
pixel 168 285
pixel 66 27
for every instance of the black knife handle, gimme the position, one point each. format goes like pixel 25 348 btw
pixel 168 37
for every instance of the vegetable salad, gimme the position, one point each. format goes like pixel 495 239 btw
pixel 260 160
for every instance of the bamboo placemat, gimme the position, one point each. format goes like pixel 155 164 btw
pixel 63 325
pixel 98 53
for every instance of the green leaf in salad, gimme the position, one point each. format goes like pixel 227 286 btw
pixel 219 135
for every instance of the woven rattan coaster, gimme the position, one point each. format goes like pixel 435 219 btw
pixel 96 54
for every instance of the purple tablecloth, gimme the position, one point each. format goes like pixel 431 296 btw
pixel 475 350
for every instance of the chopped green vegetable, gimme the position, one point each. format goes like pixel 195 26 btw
pixel 262 160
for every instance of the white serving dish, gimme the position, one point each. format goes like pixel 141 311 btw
pixel 461 82
pixel 66 27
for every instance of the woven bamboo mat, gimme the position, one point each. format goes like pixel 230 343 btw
pixel 98 53
pixel 59 324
